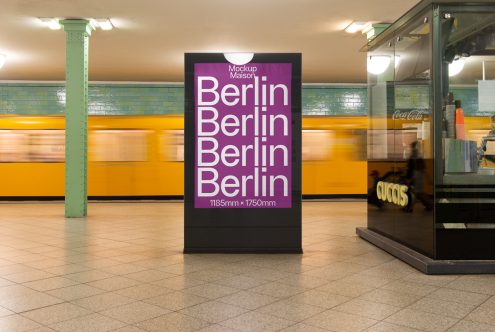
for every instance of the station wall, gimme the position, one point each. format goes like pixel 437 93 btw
pixel 151 99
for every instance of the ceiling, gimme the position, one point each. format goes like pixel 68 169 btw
pixel 151 36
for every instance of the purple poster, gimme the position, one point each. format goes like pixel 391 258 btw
pixel 243 135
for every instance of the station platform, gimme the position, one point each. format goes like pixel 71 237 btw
pixel 122 269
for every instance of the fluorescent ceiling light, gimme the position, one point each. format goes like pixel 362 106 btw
pixel 377 64
pixel 356 26
pixel 238 58
pixel 3 57
pixel 456 67
pixel 102 23
pixel 52 23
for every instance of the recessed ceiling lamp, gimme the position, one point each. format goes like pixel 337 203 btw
pixel 102 23
pixel 377 64
pixel 52 23
pixel 3 57
pixel 238 58
pixel 356 26
pixel 456 67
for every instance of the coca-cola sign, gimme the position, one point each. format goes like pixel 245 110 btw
pixel 417 115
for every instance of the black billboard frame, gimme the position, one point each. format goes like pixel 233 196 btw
pixel 242 230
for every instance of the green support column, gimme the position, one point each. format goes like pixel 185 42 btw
pixel 76 117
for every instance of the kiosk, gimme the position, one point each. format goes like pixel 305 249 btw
pixel 431 137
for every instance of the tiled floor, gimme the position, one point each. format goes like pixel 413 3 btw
pixel 122 269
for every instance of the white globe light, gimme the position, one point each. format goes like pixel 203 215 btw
pixel 377 64
pixel 456 67
pixel 238 58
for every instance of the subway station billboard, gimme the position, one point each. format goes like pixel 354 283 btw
pixel 243 135
pixel 242 153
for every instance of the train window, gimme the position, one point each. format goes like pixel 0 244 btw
pixel 14 146
pixel 359 143
pixel 336 144
pixel 172 142
pixel 317 144
pixel 121 145
pixel 32 146
pixel 402 145
pixel 377 144
pixel 392 144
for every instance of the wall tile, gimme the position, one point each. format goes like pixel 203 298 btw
pixel 130 99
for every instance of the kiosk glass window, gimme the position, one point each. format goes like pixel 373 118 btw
pixel 413 105
pixel 400 137
pixel 381 74
pixel 412 118
pixel 466 167
pixel 468 73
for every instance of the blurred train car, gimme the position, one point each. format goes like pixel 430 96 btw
pixel 334 156
pixel 142 156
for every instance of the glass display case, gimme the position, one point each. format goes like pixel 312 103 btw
pixel 465 181
pixel 431 136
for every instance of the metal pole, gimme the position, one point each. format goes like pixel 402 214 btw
pixel 76 117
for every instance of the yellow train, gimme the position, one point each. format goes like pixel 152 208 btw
pixel 142 156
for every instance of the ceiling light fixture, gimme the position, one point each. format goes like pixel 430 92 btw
pixel 102 23
pixel 377 64
pixel 52 23
pixel 456 67
pixel 356 26
pixel 238 58
pixel 3 58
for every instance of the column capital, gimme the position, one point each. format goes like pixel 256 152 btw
pixel 77 25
